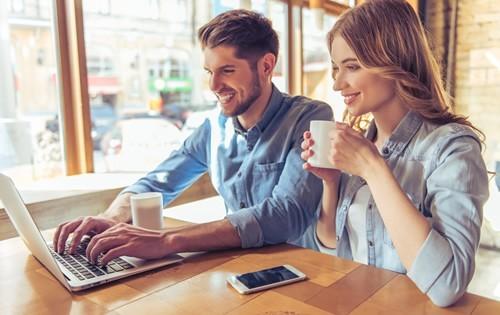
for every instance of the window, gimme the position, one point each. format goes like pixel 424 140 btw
pixel 144 69
pixel 29 115
pixel 317 75
pixel 143 62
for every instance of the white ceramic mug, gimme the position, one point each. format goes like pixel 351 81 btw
pixel 147 210
pixel 320 130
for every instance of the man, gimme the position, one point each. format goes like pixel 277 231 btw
pixel 251 148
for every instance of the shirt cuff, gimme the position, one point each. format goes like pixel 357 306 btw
pixel 322 248
pixel 135 189
pixel 247 227
pixel 433 257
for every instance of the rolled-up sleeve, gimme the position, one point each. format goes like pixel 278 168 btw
pixel 457 189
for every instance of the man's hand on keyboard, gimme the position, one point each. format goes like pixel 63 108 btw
pixel 127 240
pixel 80 227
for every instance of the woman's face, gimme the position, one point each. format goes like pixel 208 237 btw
pixel 363 90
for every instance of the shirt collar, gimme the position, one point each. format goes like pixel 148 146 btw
pixel 269 112
pixel 401 136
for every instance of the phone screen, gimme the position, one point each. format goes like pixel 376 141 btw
pixel 267 276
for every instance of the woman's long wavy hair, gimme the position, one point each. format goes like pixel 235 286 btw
pixel 388 38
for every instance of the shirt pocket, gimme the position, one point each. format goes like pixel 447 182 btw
pixel 265 178
pixel 269 167
pixel 386 235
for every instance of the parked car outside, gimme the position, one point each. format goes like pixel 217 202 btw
pixel 138 143
pixel 103 118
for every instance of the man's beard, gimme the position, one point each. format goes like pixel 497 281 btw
pixel 254 94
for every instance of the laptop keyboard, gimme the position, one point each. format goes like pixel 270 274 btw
pixel 80 266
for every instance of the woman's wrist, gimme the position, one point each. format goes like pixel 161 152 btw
pixel 333 180
pixel 375 170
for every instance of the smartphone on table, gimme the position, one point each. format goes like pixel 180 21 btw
pixel 265 279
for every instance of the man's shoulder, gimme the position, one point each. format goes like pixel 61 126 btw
pixel 300 104
pixel 301 100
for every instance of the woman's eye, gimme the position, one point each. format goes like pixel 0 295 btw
pixel 352 67
pixel 335 71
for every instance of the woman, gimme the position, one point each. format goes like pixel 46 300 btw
pixel 408 195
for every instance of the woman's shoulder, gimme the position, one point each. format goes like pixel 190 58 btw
pixel 450 136
pixel 447 132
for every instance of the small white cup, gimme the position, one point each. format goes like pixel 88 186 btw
pixel 320 130
pixel 147 210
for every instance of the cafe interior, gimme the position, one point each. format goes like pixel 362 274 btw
pixel 94 94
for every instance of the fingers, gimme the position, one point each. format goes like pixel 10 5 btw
pixel 342 127
pixel 63 232
pixel 305 155
pixel 102 243
pixel 307 166
pixel 83 229
pixel 114 253
pixel 55 238
pixel 306 144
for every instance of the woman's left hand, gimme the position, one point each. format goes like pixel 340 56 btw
pixel 351 152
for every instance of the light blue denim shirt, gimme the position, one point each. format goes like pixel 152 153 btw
pixel 443 173
pixel 269 197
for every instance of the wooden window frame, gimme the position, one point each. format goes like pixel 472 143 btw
pixel 73 87
pixel 295 40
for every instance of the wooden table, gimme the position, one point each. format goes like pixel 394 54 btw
pixel 198 286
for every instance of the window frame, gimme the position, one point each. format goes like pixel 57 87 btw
pixel 73 86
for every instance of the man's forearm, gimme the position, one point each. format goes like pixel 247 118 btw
pixel 119 210
pixel 203 237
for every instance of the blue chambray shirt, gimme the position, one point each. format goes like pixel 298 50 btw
pixel 443 173
pixel 269 198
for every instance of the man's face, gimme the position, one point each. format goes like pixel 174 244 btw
pixel 234 81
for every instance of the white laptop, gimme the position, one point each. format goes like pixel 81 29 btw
pixel 73 271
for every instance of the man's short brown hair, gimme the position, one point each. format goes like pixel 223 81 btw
pixel 249 32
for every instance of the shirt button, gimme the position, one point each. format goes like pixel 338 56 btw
pixel 242 205
pixel 370 243
pixel 385 151
pixel 239 174
pixel 337 238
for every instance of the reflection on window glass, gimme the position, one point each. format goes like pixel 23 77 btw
pixel 29 128
pixel 146 85
pixel 318 82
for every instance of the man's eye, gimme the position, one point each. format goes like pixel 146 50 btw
pixel 228 71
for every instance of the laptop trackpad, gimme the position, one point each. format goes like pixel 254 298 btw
pixel 139 262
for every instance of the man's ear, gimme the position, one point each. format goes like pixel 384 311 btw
pixel 268 63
